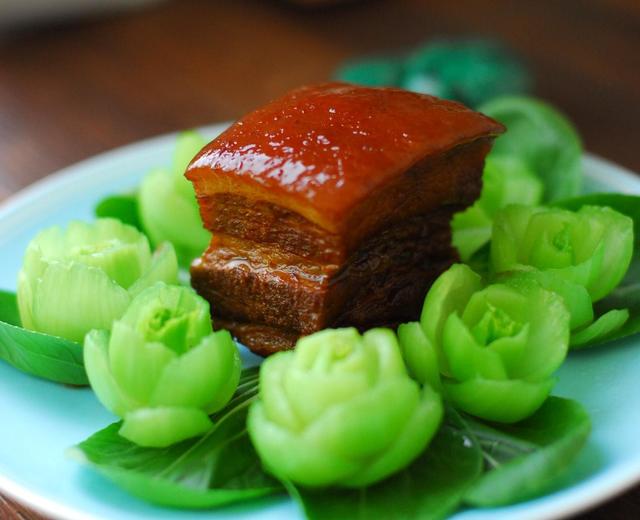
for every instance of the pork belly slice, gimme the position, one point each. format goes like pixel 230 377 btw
pixel 331 207
pixel 260 339
pixel 383 282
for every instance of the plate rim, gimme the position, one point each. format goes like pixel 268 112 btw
pixel 618 177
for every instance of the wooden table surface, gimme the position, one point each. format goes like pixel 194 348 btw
pixel 71 91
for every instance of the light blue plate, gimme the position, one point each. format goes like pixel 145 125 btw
pixel 40 420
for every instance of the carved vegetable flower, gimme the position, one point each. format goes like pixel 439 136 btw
pixel 167 203
pixel 161 368
pixel 591 247
pixel 341 410
pixel 505 180
pixel 541 137
pixel 84 277
pixel 497 346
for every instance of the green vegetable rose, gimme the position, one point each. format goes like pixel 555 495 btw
pixel 373 72
pixel 341 410
pixel 543 139
pixel 161 368
pixel 84 277
pixel 576 298
pixel 591 247
pixel 497 345
pixel 584 330
pixel 168 207
pixel 505 180
pixel 471 71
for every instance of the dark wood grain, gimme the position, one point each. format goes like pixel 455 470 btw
pixel 10 510
pixel 71 91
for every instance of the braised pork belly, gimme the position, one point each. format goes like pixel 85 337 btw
pixel 331 206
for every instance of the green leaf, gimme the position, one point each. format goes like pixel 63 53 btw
pixel 48 357
pixel 430 488
pixel 122 207
pixel 214 470
pixel 527 459
pixel 9 308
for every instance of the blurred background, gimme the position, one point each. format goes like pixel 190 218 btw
pixel 78 77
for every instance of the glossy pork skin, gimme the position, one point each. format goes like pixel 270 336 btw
pixel 321 151
pixel 331 207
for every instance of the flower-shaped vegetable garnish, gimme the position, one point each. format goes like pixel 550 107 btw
pixel 497 345
pixel 341 410
pixel 591 247
pixel 576 298
pixel 167 203
pixel 505 180
pixel 471 71
pixel 84 277
pixel 373 72
pixel 543 139
pixel 161 368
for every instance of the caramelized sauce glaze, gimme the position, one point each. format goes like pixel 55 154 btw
pixel 320 151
